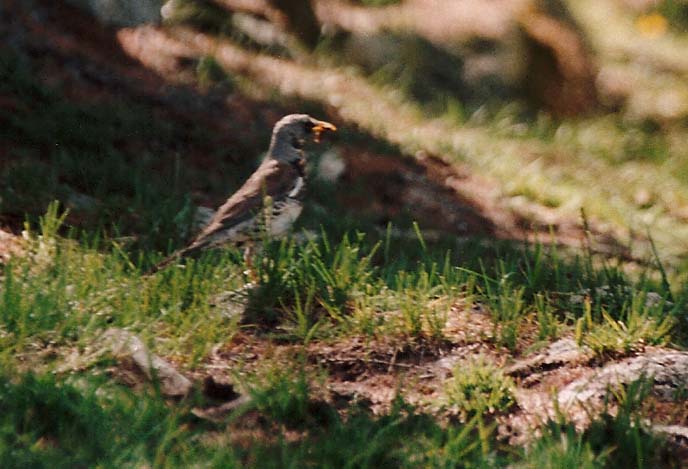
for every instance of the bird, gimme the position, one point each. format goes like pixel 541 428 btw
pixel 270 200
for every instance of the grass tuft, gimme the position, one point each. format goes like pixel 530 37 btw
pixel 480 388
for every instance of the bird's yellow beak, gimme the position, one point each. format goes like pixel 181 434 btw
pixel 319 127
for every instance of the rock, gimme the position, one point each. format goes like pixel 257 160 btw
pixel 584 391
pixel 219 413
pixel 122 12
pixel 127 346
pixel 676 435
pixel 557 354
pixel 676 431
pixel 668 370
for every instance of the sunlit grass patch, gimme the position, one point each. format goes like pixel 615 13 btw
pixel 549 325
pixel 507 307
pixel 479 387
pixel 641 321
pixel 64 294
pixel 303 285
pixel 320 288
pixel 416 303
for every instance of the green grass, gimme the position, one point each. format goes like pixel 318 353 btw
pixel 63 294
pixel 44 421
pixel 479 388
pixel 638 324
pixel 65 291
pixel 48 423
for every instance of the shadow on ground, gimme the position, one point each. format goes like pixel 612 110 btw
pixel 126 141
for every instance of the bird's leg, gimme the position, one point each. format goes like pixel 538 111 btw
pixel 250 272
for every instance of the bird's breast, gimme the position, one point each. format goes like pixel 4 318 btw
pixel 298 188
pixel 284 214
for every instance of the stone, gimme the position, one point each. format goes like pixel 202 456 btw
pixel 667 370
pixel 127 346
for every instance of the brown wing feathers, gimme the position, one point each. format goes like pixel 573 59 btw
pixel 272 178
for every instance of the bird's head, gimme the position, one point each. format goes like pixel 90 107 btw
pixel 291 132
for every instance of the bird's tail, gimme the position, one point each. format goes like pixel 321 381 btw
pixel 192 251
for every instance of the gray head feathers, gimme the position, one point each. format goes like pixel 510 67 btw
pixel 290 133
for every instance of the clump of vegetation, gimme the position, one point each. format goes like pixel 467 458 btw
pixel 284 395
pixel 479 387
pixel 549 327
pixel 640 322
pixel 310 282
pixel 507 305
pixel 63 293
pixel 48 423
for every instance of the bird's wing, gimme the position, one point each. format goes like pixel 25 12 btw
pixel 272 178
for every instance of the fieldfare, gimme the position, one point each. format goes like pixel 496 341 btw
pixel 270 200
